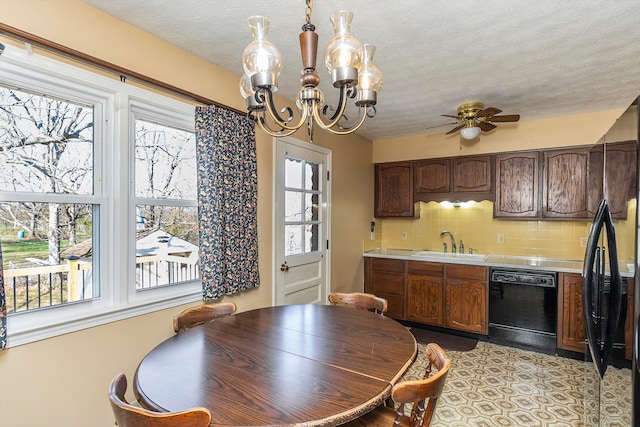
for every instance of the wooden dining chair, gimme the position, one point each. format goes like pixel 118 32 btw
pixel 127 415
pixel 422 394
pixel 195 316
pixel 360 300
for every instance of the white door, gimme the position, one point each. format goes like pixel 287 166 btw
pixel 301 222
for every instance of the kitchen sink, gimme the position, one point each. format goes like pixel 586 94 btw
pixel 449 255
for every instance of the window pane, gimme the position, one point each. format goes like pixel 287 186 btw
pixel 293 173
pixel 293 206
pixel 293 239
pixel 47 144
pixel 311 176
pixel 47 254
pixel 311 238
pixel 165 162
pixel 311 207
pixel 166 246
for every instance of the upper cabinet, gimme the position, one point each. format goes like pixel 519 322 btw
pixel 394 190
pixel 619 179
pixel 517 186
pixel 459 178
pixel 565 183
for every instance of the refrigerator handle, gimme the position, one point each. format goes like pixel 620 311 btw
pixel 600 347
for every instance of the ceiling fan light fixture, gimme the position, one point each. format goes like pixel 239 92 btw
pixel 470 132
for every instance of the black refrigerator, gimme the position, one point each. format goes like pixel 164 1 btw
pixel 611 309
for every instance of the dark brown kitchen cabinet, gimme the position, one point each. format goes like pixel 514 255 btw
pixel 571 332
pixel 466 295
pixel 394 190
pixel 432 177
pixel 565 183
pixel 628 324
pixel 472 174
pixel 385 277
pixel 459 178
pixel 517 185
pixel 425 293
pixel 620 177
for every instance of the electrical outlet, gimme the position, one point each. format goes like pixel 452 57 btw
pixel 583 242
pixel 404 235
pixel 500 238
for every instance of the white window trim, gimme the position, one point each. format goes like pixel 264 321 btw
pixel 113 158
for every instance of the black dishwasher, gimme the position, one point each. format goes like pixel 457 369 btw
pixel 523 309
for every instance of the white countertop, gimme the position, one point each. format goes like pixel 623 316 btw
pixel 489 260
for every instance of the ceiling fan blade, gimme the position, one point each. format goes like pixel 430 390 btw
pixel 505 118
pixel 455 129
pixel 447 115
pixel 488 112
pixel 443 124
pixel 486 126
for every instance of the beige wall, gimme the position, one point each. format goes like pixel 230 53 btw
pixel 63 381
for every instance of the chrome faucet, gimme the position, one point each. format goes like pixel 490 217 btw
pixel 453 240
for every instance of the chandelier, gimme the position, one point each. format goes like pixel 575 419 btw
pixel 346 59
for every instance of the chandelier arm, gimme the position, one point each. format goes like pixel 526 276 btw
pixel 264 125
pixel 331 127
pixel 336 116
pixel 271 109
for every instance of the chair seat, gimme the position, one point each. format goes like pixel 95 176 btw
pixel 382 416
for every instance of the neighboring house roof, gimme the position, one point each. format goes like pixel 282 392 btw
pixel 82 249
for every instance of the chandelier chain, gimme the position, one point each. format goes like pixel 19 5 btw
pixel 308 12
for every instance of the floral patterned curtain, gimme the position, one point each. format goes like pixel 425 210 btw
pixel 227 201
pixel 3 308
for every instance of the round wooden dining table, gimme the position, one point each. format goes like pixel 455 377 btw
pixel 292 365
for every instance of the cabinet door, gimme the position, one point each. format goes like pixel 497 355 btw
pixel 472 174
pixel 565 184
pixel 425 298
pixel 628 324
pixel 517 185
pixel 432 177
pixel 394 189
pixel 571 327
pixel 466 305
pixel 620 177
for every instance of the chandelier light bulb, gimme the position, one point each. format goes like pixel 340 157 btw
pixel 343 55
pixel 261 60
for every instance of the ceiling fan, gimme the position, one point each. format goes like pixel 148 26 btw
pixel 473 118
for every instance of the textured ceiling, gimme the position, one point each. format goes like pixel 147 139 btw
pixel 538 59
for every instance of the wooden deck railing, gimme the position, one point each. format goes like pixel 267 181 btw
pixel 37 287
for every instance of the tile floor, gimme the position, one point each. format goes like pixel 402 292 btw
pixel 501 386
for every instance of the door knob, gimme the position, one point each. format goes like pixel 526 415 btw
pixel 284 267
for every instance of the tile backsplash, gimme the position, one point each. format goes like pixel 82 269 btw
pixel 477 229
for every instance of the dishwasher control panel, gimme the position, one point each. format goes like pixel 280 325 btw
pixel 523 277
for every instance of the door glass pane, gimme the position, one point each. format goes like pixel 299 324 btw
pixel 311 238
pixel 311 176
pixel 293 239
pixel 292 206
pixel 311 207
pixel 293 173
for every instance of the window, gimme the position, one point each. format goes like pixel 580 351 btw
pixel 98 213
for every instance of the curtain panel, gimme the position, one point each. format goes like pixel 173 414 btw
pixel 227 201
pixel 3 308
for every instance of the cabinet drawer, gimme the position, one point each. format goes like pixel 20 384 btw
pixel 427 268
pixel 391 265
pixel 387 283
pixel 468 272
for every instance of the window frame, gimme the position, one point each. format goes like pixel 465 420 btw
pixel 115 217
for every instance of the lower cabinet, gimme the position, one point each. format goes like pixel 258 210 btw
pixel 385 277
pixel 425 293
pixel 467 294
pixel 571 326
pixel 448 295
